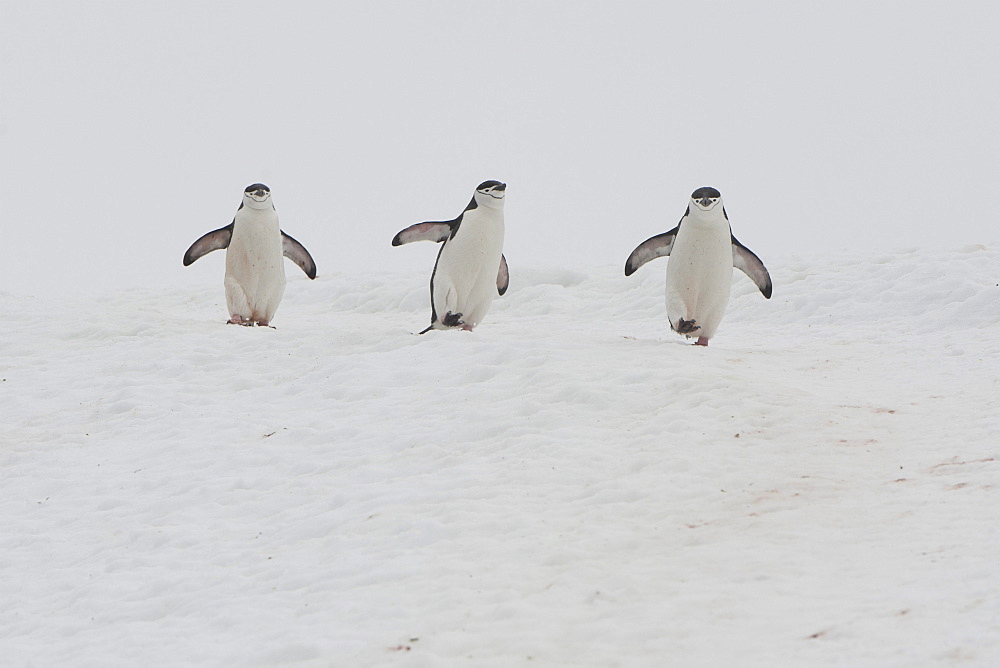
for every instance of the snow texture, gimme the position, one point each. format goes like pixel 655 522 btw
pixel 571 484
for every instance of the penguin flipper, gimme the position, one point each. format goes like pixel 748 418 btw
pixel 650 249
pixel 432 231
pixel 745 260
pixel 298 254
pixel 207 243
pixel 503 277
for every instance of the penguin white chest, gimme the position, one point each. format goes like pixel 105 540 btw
pixel 699 274
pixel 465 279
pixel 255 273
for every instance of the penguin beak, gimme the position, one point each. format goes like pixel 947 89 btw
pixel 502 187
pixel 705 202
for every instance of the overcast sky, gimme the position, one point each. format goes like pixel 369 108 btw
pixel 128 129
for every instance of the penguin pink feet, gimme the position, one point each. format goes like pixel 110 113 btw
pixel 702 341
pixel 240 320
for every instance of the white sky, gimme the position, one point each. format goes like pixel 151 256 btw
pixel 128 129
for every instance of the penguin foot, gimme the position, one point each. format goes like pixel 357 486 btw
pixel 702 341
pixel 467 328
pixel 452 320
pixel 686 326
pixel 240 320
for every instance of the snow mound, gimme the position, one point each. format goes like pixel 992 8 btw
pixel 570 484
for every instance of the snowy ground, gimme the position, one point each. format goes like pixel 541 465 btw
pixel 570 484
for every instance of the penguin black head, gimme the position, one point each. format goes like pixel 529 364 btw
pixel 490 193
pixel 706 198
pixel 492 188
pixel 256 194
pixel 258 190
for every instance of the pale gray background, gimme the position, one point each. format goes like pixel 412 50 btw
pixel 128 129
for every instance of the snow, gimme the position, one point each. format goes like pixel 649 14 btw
pixel 570 484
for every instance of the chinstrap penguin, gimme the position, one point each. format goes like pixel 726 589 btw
pixel 703 252
pixel 471 269
pixel 255 244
